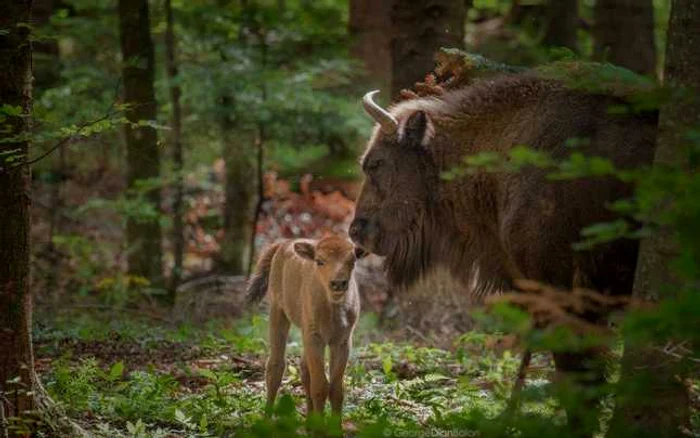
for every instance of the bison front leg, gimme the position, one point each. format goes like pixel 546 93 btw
pixel 318 384
pixel 582 376
pixel 339 360
pixel 274 369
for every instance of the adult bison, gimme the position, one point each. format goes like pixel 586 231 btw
pixel 490 229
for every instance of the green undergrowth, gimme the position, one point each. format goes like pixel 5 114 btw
pixel 141 379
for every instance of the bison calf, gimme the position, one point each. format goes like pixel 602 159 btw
pixel 310 284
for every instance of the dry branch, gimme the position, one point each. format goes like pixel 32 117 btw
pixel 552 307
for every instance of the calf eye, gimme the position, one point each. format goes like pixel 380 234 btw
pixel 320 262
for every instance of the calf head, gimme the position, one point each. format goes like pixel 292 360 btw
pixel 335 260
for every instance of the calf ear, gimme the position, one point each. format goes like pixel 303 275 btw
pixel 417 130
pixel 305 250
pixel 360 253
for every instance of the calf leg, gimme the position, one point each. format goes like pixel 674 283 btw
pixel 274 369
pixel 306 382
pixel 339 360
pixel 313 352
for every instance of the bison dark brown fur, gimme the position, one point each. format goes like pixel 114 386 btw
pixel 490 229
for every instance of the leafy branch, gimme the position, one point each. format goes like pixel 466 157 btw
pixel 83 130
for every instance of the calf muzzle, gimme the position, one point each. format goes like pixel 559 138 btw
pixel 339 285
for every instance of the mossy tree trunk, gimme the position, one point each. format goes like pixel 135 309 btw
pixel 178 233
pixel 143 161
pixel 16 358
pixel 562 24
pixel 419 29
pixel 624 34
pixel 655 401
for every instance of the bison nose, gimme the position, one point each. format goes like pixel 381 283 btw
pixel 339 285
pixel 357 230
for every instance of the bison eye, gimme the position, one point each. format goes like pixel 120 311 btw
pixel 320 262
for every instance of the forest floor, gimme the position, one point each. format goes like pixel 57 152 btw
pixel 135 378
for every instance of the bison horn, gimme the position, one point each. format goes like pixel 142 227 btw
pixel 387 122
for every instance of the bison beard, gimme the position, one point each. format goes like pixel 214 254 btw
pixel 431 242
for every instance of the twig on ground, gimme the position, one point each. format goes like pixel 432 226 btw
pixel 418 333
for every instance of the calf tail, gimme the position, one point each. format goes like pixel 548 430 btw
pixel 257 285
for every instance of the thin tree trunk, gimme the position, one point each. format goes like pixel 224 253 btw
pixel 562 24
pixel 143 163
pixel 662 409
pixel 239 193
pixel 260 160
pixel 420 29
pixel 624 34
pixel 53 273
pixel 178 236
pixel 239 209
pixel 46 69
pixel 16 357
pixel 260 170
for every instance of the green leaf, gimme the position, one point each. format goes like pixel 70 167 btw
pixel 387 364
pixel 10 110
pixel 209 374
pixel 285 407
pixel 116 371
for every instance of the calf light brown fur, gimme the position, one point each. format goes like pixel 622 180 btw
pixel 310 284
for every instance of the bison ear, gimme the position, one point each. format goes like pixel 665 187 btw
pixel 417 130
pixel 305 250
pixel 360 253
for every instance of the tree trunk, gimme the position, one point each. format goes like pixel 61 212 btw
pixel 624 34
pixel 260 140
pixel 143 237
pixel 16 358
pixel 663 410
pixel 178 237
pixel 370 30
pixel 239 193
pixel 239 204
pixel 419 29
pixel 562 24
